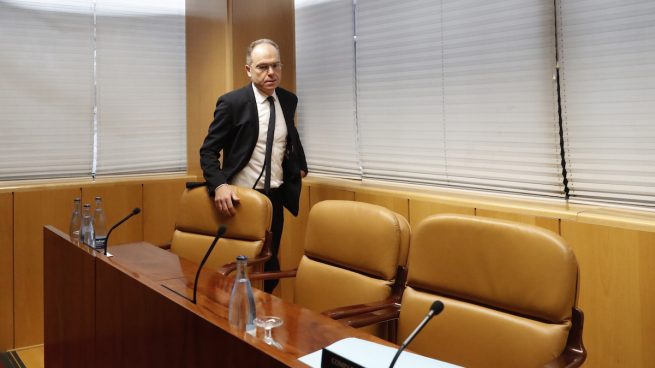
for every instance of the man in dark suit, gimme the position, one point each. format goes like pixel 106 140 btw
pixel 241 130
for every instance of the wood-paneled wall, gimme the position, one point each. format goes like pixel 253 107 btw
pixel 255 19
pixel 615 251
pixel 160 205
pixel 208 59
pixel 32 210
pixel 292 243
pixel 617 292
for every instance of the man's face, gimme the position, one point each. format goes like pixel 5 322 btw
pixel 266 70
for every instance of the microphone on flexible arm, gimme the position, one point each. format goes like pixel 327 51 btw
pixel 135 211
pixel 435 309
pixel 221 230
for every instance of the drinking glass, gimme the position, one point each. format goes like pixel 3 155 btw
pixel 268 323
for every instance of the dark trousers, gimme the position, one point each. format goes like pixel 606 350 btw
pixel 277 226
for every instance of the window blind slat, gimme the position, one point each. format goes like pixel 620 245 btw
pixel 141 86
pixel 607 53
pixel 325 84
pixel 459 93
pixel 400 91
pixel 46 88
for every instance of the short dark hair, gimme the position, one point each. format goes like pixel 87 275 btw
pixel 257 43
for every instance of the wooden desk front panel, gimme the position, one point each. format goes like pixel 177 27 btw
pixel 6 271
pixel 138 326
pixel 69 299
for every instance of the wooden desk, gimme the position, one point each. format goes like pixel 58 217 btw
pixel 115 312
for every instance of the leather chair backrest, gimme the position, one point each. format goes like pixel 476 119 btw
pixel 198 220
pixel 508 289
pixel 352 251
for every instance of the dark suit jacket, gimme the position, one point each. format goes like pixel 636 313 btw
pixel 235 130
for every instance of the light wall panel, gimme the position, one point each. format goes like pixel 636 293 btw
pixel 617 293
pixel 160 204
pixel 208 54
pixel 400 205
pixel 322 193
pixel 419 209
pixel 551 224
pixel 255 19
pixel 33 210
pixel 293 243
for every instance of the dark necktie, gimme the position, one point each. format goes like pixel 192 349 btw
pixel 269 144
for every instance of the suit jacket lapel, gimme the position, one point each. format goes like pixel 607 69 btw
pixel 252 108
pixel 288 116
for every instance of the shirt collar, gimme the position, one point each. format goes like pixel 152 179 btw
pixel 260 97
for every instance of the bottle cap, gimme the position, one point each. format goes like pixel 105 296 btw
pixel 242 258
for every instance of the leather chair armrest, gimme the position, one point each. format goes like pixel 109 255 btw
pixel 230 267
pixel 378 316
pixel 271 275
pixel 353 310
pixel 574 353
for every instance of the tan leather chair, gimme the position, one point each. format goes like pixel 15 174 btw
pixel 352 255
pixel 248 231
pixel 509 292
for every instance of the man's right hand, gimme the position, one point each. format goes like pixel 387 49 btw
pixel 225 199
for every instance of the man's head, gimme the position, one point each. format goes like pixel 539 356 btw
pixel 263 65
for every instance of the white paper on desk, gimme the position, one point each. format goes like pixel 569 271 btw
pixel 372 355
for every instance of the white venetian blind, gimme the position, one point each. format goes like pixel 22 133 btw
pixel 46 88
pixel 607 53
pixel 400 90
pixel 326 87
pixel 459 93
pixel 141 86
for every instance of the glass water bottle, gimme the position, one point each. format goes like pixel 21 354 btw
pixel 86 231
pixel 99 225
pixel 76 221
pixel 242 301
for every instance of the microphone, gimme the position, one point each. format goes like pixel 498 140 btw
pixel 219 234
pixel 435 309
pixel 135 211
